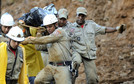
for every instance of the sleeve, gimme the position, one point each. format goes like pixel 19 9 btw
pixel 55 36
pixel 99 29
pixel 40 47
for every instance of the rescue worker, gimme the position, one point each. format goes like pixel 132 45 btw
pixel 62 19
pixel 84 42
pixel 12 59
pixel 59 59
pixel 7 22
pixel 67 26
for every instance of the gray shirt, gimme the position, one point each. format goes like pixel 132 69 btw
pixel 10 63
pixel 84 38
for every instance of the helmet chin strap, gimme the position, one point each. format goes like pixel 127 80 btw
pixel 11 46
pixel 55 26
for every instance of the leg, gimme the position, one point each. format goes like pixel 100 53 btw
pixel 90 70
pixel 62 75
pixel 44 76
pixel 31 79
pixel 76 58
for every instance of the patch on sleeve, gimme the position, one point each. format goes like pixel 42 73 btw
pixel 57 32
pixel 72 30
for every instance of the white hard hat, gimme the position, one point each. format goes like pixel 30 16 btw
pixel 49 19
pixel 81 10
pixel 7 20
pixel 16 34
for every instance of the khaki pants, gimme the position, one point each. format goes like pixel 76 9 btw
pixel 60 74
pixel 90 71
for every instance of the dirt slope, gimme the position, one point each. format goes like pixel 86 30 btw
pixel 115 62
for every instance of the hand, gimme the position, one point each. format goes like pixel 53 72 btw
pixel 121 28
pixel 28 40
pixel 74 69
pixel 21 21
pixel 25 42
pixel 41 30
pixel 74 65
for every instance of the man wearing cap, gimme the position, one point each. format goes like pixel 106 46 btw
pixel 12 59
pixel 7 22
pixel 68 27
pixel 62 19
pixel 84 42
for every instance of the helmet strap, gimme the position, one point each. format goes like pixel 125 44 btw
pixel 55 26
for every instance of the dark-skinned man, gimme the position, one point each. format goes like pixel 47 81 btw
pixel 84 42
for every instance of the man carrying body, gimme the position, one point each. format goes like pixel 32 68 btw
pixel 59 59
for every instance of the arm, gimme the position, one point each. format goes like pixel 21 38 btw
pixel 102 29
pixel 120 29
pixel 40 47
pixel 110 30
pixel 44 39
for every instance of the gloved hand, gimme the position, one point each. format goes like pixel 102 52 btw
pixel 74 65
pixel 74 69
pixel 121 28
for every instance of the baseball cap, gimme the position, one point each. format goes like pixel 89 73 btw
pixel 81 10
pixel 63 13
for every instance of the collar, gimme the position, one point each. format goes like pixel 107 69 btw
pixel 77 25
pixel 8 47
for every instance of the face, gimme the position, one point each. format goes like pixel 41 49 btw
pixel 81 19
pixel 5 29
pixel 62 22
pixel 50 28
pixel 14 44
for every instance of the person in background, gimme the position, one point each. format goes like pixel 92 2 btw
pixel 84 42
pixel 7 22
pixel 62 18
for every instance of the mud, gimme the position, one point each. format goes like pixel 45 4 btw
pixel 115 62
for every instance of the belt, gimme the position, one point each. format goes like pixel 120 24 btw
pixel 66 63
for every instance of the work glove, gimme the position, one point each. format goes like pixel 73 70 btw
pixel 74 69
pixel 121 28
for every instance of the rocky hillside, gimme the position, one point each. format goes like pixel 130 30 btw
pixel 115 62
